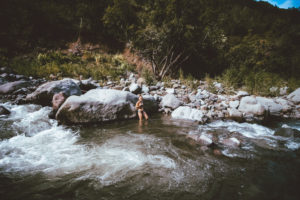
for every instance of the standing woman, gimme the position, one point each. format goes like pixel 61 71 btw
pixel 140 107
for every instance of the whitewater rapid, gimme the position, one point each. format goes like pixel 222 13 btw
pixel 41 145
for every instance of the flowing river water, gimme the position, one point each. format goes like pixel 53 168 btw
pixel 40 159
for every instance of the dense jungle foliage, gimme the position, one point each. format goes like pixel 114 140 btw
pixel 244 42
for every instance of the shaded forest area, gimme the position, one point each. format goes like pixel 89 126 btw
pixel 242 41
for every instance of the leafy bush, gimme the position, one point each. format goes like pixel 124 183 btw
pixel 256 82
pixel 97 66
pixel 148 76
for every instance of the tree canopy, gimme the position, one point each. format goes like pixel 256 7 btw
pixel 198 36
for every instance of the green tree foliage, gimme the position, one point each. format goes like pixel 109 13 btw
pixel 231 37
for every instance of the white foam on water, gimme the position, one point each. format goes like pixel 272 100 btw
pixel 54 150
pixel 246 129
pixel 293 126
pixel 292 145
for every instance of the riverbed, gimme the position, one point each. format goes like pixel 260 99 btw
pixel 40 159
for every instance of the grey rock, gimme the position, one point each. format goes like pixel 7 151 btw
pixel 235 114
pixel 187 113
pixel 170 101
pixel 12 86
pixel 135 88
pixel 287 132
pixel 88 84
pixel 283 91
pixel 145 89
pixel 273 108
pixel 170 91
pixel 294 96
pixel 234 104
pixel 4 110
pixel 43 94
pixel 153 88
pixel 249 105
pixel 100 105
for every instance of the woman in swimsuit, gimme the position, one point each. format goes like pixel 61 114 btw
pixel 140 107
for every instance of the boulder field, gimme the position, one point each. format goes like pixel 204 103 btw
pixel 84 101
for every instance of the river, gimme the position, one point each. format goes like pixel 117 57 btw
pixel 40 159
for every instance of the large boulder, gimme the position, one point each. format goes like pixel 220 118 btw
pixel 4 110
pixel 101 105
pixel 150 104
pixel 170 101
pixel 294 96
pixel 250 106
pixel 287 132
pixel 272 107
pixel 187 113
pixel 43 94
pixel 13 86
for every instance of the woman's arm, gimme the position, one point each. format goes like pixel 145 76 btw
pixel 137 105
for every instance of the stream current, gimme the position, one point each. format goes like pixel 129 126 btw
pixel 40 159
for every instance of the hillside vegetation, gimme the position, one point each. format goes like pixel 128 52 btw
pixel 239 42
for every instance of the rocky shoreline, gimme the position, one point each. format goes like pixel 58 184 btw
pixel 85 101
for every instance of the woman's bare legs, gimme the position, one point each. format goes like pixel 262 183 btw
pixel 140 115
pixel 145 115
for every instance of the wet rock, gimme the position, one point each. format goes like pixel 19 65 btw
pixel 135 88
pixel 4 110
pixel 231 142
pixel 98 105
pixel 12 86
pixel 187 113
pixel 294 96
pixel 20 99
pixel 249 105
pixel 287 132
pixel 43 95
pixel 170 101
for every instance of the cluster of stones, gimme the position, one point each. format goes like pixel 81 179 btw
pixel 73 99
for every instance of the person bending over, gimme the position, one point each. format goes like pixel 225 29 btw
pixel 140 108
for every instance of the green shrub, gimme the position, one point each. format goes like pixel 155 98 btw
pixel 97 66
pixel 148 76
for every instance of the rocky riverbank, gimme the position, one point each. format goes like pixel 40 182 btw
pixel 85 101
